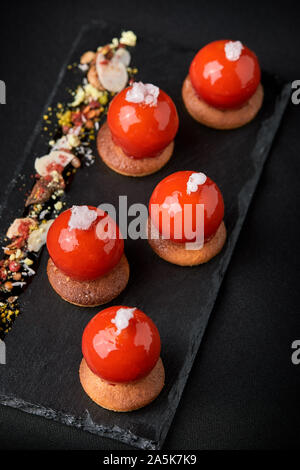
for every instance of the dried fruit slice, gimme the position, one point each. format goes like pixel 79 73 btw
pixel 112 74
pixel 20 227
pixel 54 161
pixel 123 56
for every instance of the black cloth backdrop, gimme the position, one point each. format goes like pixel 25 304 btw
pixel 243 391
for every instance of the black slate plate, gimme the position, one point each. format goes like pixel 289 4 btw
pixel 43 350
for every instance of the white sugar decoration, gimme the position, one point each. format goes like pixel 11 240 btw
pixel 195 180
pixel 233 50
pixel 82 217
pixel 143 93
pixel 122 318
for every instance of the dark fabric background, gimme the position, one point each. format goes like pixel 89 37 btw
pixel 243 391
